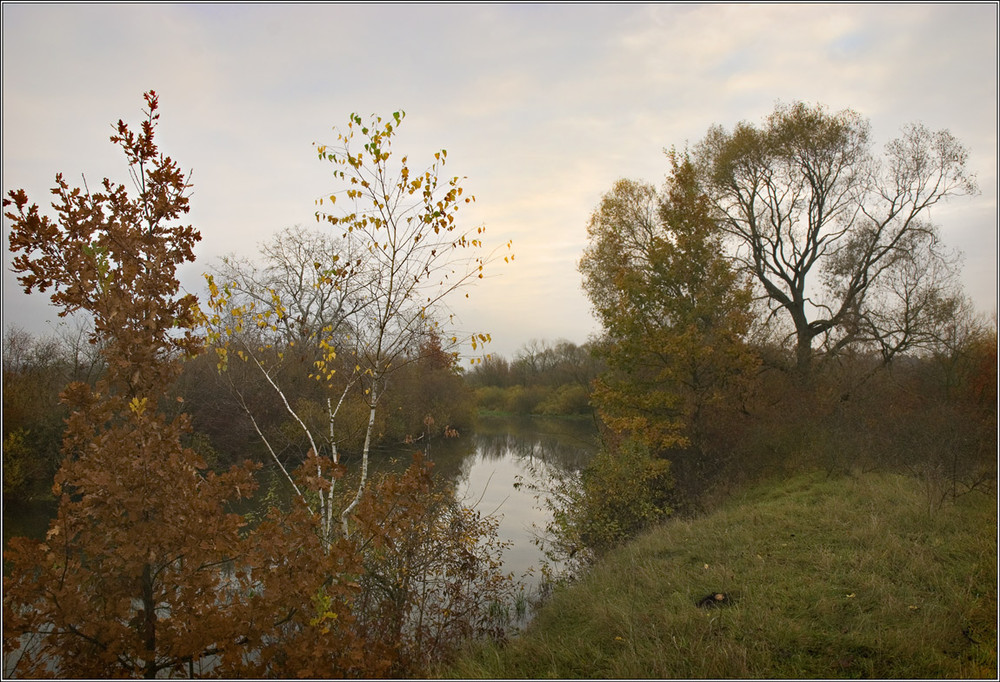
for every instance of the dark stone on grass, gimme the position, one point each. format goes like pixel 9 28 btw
pixel 714 599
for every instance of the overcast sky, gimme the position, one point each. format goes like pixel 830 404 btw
pixel 542 107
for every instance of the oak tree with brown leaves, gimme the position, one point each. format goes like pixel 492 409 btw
pixel 127 580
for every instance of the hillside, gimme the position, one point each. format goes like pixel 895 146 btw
pixel 824 577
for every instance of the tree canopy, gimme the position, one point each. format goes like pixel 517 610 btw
pixel 673 309
pixel 838 238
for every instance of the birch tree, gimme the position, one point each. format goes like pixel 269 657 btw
pixel 400 255
pixel 417 250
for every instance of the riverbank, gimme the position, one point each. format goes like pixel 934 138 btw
pixel 822 577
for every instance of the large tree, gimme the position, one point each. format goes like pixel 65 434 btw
pixel 673 310
pixel 839 239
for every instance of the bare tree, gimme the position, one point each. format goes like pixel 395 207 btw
pixel 315 275
pixel 838 239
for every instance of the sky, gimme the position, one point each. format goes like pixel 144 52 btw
pixel 542 107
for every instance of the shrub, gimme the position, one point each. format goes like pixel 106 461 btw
pixel 623 491
pixel 525 399
pixel 491 398
pixel 568 399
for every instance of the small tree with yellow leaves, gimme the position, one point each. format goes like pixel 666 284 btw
pixel 403 255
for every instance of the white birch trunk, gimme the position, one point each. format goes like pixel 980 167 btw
pixel 364 465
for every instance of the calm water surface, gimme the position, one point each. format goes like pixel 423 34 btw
pixel 483 465
pixel 504 451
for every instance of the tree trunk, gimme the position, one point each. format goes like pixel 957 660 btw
pixel 148 623
pixel 364 465
pixel 803 353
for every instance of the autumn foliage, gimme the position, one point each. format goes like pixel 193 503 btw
pixel 164 558
pixel 126 580
pixel 146 570
pixel 675 313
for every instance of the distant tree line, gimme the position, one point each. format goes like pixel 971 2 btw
pixel 543 378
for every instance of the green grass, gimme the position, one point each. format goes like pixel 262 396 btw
pixel 843 577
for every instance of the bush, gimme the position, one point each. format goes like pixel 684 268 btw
pixel 564 400
pixel 491 398
pixel 432 577
pixel 568 399
pixel 525 399
pixel 624 492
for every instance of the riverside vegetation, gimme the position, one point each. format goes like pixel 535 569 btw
pixel 147 568
pixel 782 306
pixel 796 407
pixel 839 576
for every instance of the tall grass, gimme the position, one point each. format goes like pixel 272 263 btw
pixel 827 577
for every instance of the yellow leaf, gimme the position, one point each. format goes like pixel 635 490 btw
pixel 138 406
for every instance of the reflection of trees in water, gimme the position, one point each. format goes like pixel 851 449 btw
pixel 566 443
pixel 538 444
pixel 449 456
pixel 445 453
pixel 563 444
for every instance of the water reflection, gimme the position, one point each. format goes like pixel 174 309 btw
pixel 506 450
pixel 566 443
pixel 483 466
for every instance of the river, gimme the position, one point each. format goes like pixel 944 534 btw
pixel 504 451
pixel 484 465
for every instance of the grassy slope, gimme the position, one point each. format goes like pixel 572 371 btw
pixel 846 577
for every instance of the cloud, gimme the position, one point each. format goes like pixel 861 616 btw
pixel 543 107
